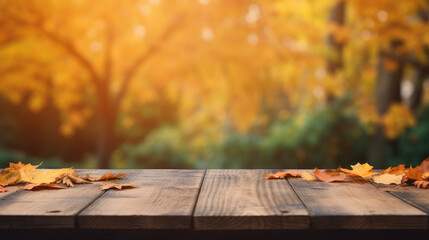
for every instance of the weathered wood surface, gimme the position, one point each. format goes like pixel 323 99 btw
pixel 165 199
pixel 243 199
pixel 49 208
pixel 412 195
pixel 214 200
pixel 356 205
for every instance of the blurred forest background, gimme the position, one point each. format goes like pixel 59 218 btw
pixel 214 83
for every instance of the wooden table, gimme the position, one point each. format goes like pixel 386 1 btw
pixel 213 203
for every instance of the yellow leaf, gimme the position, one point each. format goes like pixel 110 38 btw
pixel 388 179
pixel 8 178
pixel 307 176
pixel 42 177
pixel 361 170
pixel 20 167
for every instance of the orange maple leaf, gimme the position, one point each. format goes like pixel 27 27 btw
pixel 413 174
pixel 360 170
pixel 327 177
pixel 106 186
pixel 3 189
pixel 280 174
pixel 398 170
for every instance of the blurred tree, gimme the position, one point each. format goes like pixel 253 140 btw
pixel 228 64
pixel 86 56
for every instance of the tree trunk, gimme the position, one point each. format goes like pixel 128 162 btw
pixel 417 95
pixel 337 14
pixel 387 91
pixel 106 142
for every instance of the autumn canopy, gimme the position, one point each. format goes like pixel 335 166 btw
pixel 204 83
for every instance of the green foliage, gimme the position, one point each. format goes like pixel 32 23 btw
pixel 323 138
pixel 412 146
pixel 163 148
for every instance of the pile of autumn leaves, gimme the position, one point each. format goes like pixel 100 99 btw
pixel 399 175
pixel 30 179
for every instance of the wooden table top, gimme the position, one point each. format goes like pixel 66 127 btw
pixel 217 199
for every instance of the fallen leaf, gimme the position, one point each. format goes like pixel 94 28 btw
pixel 307 176
pixel 42 186
pixel 421 184
pixel 413 174
pixel 104 177
pixel 106 186
pixel 334 172
pixel 398 170
pixel 424 166
pixel 3 189
pixel 70 179
pixel 281 174
pixel 361 170
pixel 66 181
pixel 20 167
pixel 42 177
pixel 388 179
pixel 8 178
pixel 327 177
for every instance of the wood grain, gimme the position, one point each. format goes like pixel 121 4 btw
pixel 414 196
pixel 356 205
pixel 165 199
pixel 243 199
pixel 47 208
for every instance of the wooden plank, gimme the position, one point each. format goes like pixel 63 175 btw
pixel 10 190
pixel 356 205
pixel 47 208
pixel 243 199
pixel 412 195
pixel 165 199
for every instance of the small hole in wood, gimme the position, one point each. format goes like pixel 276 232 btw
pixel 284 211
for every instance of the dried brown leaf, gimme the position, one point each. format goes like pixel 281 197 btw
pixel 327 177
pixel 106 186
pixel 421 184
pixel 388 179
pixel 281 174
pixel 43 186
pixel 106 177
pixel 334 172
